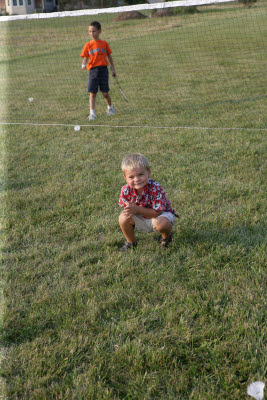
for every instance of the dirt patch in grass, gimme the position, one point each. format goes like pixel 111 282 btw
pixel 161 13
pixel 129 15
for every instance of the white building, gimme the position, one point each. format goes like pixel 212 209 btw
pixel 30 6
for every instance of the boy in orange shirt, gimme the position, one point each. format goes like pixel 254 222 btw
pixel 97 52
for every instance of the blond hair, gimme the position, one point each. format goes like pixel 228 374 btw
pixel 134 160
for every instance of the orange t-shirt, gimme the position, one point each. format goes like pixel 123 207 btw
pixel 97 50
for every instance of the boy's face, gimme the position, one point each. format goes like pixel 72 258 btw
pixel 137 178
pixel 94 32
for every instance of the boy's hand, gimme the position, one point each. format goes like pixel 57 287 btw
pixel 130 209
pixel 84 62
pixel 113 71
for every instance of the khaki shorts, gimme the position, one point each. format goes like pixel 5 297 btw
pixel 147 225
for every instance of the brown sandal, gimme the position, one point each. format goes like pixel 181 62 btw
pixel 127 246
pixel 165 242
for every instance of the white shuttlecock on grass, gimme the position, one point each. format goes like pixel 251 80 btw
pixel 30 99
pixel 77 128
pixel 255 390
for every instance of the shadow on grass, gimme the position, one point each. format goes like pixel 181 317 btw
pixel 243 235
pixel 21 185
pixel 229 101
pixel 201 106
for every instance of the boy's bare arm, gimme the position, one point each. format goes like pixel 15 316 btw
pixel 132 209
pixel 84 63
pixel 112 65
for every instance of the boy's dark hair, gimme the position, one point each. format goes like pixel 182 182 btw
pixel 96 24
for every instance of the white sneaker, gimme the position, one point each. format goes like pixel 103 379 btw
pixel 111 111
pixel 92 117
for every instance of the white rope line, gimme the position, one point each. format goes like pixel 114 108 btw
pixel 138 7
pixel 138 126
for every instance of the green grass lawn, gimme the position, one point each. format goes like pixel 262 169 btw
pixel 82 321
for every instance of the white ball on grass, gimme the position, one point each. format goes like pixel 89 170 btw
pixel 256 389
pixel 30 99
pixel 77 128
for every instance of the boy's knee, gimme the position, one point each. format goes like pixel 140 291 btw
pixel 121 219
pixel 105 94
pixel 125 220
pixel 162 224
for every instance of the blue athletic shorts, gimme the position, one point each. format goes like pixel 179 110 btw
pixel 98 78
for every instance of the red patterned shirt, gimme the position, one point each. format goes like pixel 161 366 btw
pixel 153 196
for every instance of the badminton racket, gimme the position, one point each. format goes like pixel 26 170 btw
pixel 120 89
